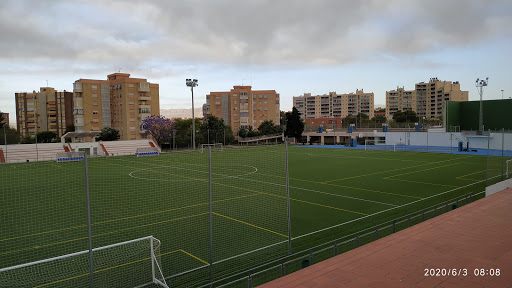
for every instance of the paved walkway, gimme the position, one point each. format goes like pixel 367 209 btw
pixel 475 236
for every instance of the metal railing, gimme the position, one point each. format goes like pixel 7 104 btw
pixel 291 263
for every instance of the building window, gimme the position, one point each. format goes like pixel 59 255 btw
pixel 94 112
pixel 132 128
pixel 130 85
pixel 94 95
pixel 130 94
pixel 94 87
pixel 217 103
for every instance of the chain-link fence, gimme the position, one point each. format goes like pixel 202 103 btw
pixel 218 216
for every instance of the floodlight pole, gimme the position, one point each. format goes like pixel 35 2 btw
pixel 480 87
pixel 501 94
pixel 192 83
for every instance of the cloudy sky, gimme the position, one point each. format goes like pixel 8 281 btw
pixel 291 46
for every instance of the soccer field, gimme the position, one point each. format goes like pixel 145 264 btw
pixel 333 192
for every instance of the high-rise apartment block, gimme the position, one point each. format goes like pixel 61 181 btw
pixel 243 107
pixel 427 100
pixel 120 102
pixel 400 100
pixel 46 110
pixel 334 105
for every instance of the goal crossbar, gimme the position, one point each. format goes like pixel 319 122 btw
pixel 156 269
pixel 217 146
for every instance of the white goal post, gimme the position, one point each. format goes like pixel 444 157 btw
pixel 134 261
pixel 147 151
pixel 216 146
pixel 379 145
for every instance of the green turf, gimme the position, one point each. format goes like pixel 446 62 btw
pixel 44 215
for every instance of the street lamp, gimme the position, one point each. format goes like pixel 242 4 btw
pixel 193 83
pixel 480 84
pixel 501 94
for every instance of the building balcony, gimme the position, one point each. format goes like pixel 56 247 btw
pixel 144 106
pixel 143 115
pixel 77 87
pixel 144 98
pixel 144 87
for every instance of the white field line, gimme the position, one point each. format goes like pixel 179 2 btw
pixel 328 228
pixel 351 156
pixel 258 181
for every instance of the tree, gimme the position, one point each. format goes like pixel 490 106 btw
pixel 349 120
pixel 268 127
pixel 11 135
pixel 379 119
pixel 214 130
pixel 46 136
pixel 2 120
pixel 294 126
pixel 108 134
pixel 28 140
pixel 407 116
pixel 70 128
pixel 159 127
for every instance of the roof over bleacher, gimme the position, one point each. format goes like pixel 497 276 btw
pixel 82 134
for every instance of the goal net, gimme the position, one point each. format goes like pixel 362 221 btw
pixel 147 151
pixel 216 146
pixel 63 157
pixel 379 144
pixel 126 264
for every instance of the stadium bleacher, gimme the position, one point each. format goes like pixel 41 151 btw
pixel 31 152
pixel 128 147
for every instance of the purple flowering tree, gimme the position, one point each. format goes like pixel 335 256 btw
pixel 159 127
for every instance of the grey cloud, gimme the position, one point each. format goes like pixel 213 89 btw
pixel 159 32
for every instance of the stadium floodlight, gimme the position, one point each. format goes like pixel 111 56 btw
pixel 480 84
pixel 501 94
pixel 192 83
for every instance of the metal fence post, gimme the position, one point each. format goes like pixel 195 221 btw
pixel 487 168
pixel 435 210
pixel 502 148
pixel 249 281
pixel 288 201
pixel 283 272
pixel 89 228
pixel 446 207
pixel 357 240
pixel 311 257
pixel 376 232
pixel 422 215
pixel 394 226
pixel 335 248
pixel 211 209
pixel 409 222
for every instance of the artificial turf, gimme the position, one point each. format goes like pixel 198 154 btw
pixel 333 192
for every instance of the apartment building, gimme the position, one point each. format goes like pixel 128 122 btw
pixel 400 100
pixel 46 110
pixel 5 119
pixel 120 102
pixel 334 105
pixel 431 96
pixel 427 99
pixel 243 107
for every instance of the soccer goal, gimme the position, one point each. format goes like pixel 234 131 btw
pixel 147 151
pixel 216 146
pixel 379 144
pixel 509 168
pixel 63 157
pixel 126 264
